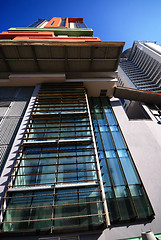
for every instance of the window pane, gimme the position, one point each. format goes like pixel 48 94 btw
pixel 124 202
pixel 141 202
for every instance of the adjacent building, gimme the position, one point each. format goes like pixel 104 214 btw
pixel 73 166
pixel 142 70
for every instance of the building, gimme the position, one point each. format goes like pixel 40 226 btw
pixel 72 165
pixel 142 70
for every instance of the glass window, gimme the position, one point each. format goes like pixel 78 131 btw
pixel 81 25
pixel 124 202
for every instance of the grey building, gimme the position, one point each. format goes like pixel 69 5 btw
pixel 74 166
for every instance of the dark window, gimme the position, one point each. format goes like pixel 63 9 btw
pixel 53 23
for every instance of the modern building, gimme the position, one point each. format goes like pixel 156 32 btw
pixel 142 70
pixel 73 167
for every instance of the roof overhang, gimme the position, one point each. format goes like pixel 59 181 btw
pixel 59 57
pixel 26 63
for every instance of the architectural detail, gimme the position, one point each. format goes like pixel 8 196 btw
pixel 142 70
pixel 71 170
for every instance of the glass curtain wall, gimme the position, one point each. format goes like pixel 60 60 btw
pixel 36 23
pixel 54 184
pixel 125 194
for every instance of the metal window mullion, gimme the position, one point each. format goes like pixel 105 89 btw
pixel 53 211
pixel 38 167
pixel 98 167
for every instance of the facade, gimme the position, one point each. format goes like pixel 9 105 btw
pixel 142 70
pixel 72 165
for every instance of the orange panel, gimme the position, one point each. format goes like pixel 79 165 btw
pixel 54 22
pixel 13 35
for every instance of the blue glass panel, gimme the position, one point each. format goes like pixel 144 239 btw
pixel 86 159
pixel 110 117
pixel 115 171
pixel 48 161
pixel 47 169
pixel 33 162
pixel 67 160
pixel 129 171
pixel 67 168
pixel 107 142
pixel 46 178
pixel 49 154
pixel 67 177
pixel 27 170
pixel 25 180
pixel 101 119
pixel 110 154
pixel 86 166
pixel 46 148
pixel 101 154
pixel 91 175
pixel 122 153
pixel 119 142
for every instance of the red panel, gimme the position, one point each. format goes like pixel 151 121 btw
pixel 54 22
pixel 75 19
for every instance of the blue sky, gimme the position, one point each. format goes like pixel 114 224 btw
pixel 117 20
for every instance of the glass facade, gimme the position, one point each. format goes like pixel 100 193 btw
pixel 37 23
pixel 125 194
pixel 55 182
